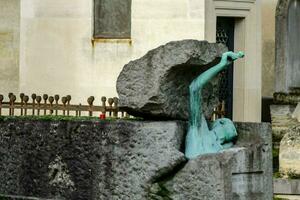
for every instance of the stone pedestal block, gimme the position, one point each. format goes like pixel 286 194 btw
pixel 289 154
pixel 282 120
pixel 240 173
pixel 80 160
pixel 128 160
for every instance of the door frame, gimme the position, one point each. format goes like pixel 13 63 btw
pixel 247 72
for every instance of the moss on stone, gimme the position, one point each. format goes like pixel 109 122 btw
pixel 61 118
pixel 278 198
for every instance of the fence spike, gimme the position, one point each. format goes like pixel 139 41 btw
pixel 68 104
pixel 79 113
pixel 45 97
pixel 12 102
pixel 47 103
pixel 56 98
pixel 26 99
pixel 64 101
pixel 38 100
pixel 51 100
pixel 1 99
pixel 103 99
pixel 90 102
pixel 22 101
pixel 33 96
pixel 110 103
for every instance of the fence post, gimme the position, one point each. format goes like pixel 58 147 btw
pixel 26 99
pixel 90 102
pixel 38 99
pixel 51 100
pixel 33 96
pixel 68 104
pixel 1 99
pixel 45 97
pixel 79 112
pixel 9 97
pixel 64 101
pixel 12 104
pixel 22 101
pixel 56 98
pixel 103 99
pixel 110 102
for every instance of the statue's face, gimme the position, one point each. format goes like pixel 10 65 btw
pixel 226 128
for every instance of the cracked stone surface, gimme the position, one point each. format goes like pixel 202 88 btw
pixel 156 85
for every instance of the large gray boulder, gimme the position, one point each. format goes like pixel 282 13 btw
pixel 156 85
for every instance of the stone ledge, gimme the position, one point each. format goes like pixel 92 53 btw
pixel 14 197
pixel 286 186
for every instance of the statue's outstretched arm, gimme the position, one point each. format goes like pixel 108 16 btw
pixel 197 85
pixel 202 79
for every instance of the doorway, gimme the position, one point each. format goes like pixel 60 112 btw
pixel 225 35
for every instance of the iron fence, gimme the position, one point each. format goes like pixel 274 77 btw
pixel 54 105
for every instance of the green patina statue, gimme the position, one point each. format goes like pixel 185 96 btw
pixel 200 139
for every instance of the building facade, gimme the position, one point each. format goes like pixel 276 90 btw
pixel 50 46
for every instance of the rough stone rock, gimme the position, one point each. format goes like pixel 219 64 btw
pixel 113 160
pixel 122 160
pixel 282 120
pixel 243 172
pixel 207 177
pixel 296 113
pixel 289 154
pixel 156 85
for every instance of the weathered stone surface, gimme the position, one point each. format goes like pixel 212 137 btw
pixel 282 120
pixel 244 172
pixel 156 85
pixel 207 177
pixel 296 113
pixel 113 160
pixel 129 160
pixel 283 68
pixel 287 186
pixel 289 155
pixel 254 166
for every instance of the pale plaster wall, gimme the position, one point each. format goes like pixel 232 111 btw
pixel 268 47
pixel 9 46
pixel 57 55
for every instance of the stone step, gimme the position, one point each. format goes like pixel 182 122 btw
pixel 15 197
pixel 287 197
pixel 286 186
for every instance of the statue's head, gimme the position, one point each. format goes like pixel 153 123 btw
pixel 224 129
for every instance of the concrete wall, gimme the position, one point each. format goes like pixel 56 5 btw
pixel 9 45
pixel 57 55
pixel 268 47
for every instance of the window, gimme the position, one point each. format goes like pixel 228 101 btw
pixel 112 19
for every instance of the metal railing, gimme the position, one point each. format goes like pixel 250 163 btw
pixel 54 105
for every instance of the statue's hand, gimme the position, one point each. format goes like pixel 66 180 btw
pixel 232 55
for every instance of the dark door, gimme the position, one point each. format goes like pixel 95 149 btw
pixel 225 35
